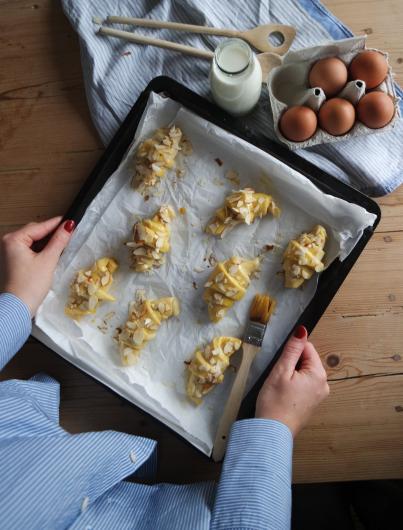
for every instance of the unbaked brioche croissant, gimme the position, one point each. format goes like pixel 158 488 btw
pixel 227 284
pixel 242 206
pixel 155 156
pixel 151 240
pixel 303 257
pixel 145 318
pixel 90 287
pixel 208 365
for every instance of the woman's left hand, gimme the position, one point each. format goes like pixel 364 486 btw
pixel 28 274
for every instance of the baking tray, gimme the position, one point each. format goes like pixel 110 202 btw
pixel 329 281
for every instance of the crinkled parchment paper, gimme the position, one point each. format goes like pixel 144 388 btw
pixel 157 383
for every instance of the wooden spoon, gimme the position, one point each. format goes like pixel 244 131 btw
pixel 267 60
pixel 257 37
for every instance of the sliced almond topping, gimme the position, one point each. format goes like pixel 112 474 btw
pixel 127 351
pixel 233 269
pixel 229 347
pixel 219 277
pixel 80 277
pixel 138 336
pixel 105 278
pixel 92 302
pixel 91 288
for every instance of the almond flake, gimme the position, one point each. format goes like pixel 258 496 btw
pixel 92 302
pixel 233 269
pixel 91 288
pixel 138 336
pixel 127 351
pixel 105 278
pixel 229 347
pixel 219 277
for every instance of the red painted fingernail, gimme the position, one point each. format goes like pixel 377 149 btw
pixel 300 332
pixel 69 226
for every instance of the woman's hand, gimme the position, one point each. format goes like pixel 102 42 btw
pixel 28 274
pixel 295 386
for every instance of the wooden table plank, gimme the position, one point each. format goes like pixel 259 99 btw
pixel 47 147
pixel 356 433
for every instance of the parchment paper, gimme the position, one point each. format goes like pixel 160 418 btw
pixel 157 382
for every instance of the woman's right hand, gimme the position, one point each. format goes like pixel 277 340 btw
pixel 295 386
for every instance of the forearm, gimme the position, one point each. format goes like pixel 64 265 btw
pixel 254 491
pixel 15 326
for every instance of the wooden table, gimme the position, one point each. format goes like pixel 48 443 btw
pixel 47 147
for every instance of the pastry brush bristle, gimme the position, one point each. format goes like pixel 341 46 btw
pixel 262 308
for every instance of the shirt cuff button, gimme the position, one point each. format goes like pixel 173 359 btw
pixel 133 457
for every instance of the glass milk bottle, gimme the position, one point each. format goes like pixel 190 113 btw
pixel 235 77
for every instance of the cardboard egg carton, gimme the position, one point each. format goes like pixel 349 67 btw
pixel 288 85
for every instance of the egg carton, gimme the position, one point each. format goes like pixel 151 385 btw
pixel 288 85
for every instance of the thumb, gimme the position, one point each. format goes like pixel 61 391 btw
pixel 292 350
pixel 58 242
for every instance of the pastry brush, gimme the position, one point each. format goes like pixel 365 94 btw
pixel 260 312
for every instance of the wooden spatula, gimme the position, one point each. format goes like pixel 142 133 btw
pixel 267 60
pixel 257 37
pixel 260 312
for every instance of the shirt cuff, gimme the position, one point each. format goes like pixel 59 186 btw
pixel 15 326
pixel 255 485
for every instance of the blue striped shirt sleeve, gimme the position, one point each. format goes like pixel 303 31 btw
pixel 254 491
pixel 15 326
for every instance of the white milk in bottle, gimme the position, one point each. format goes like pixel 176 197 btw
pixel 235 77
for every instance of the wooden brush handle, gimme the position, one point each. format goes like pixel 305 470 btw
pixel 142 39
pixel 191 28
pixel 234 402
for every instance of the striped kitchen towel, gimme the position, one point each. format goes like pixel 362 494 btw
pixel 115 73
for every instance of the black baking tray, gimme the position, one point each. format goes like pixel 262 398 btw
pixel 329 281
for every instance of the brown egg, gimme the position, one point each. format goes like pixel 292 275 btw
pixel 336 116
pixel 369 66
pixel 375 110
pixel 298 123
pixel 329 74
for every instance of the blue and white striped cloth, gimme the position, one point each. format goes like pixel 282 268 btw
pixel 115 72
pixel 53 480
